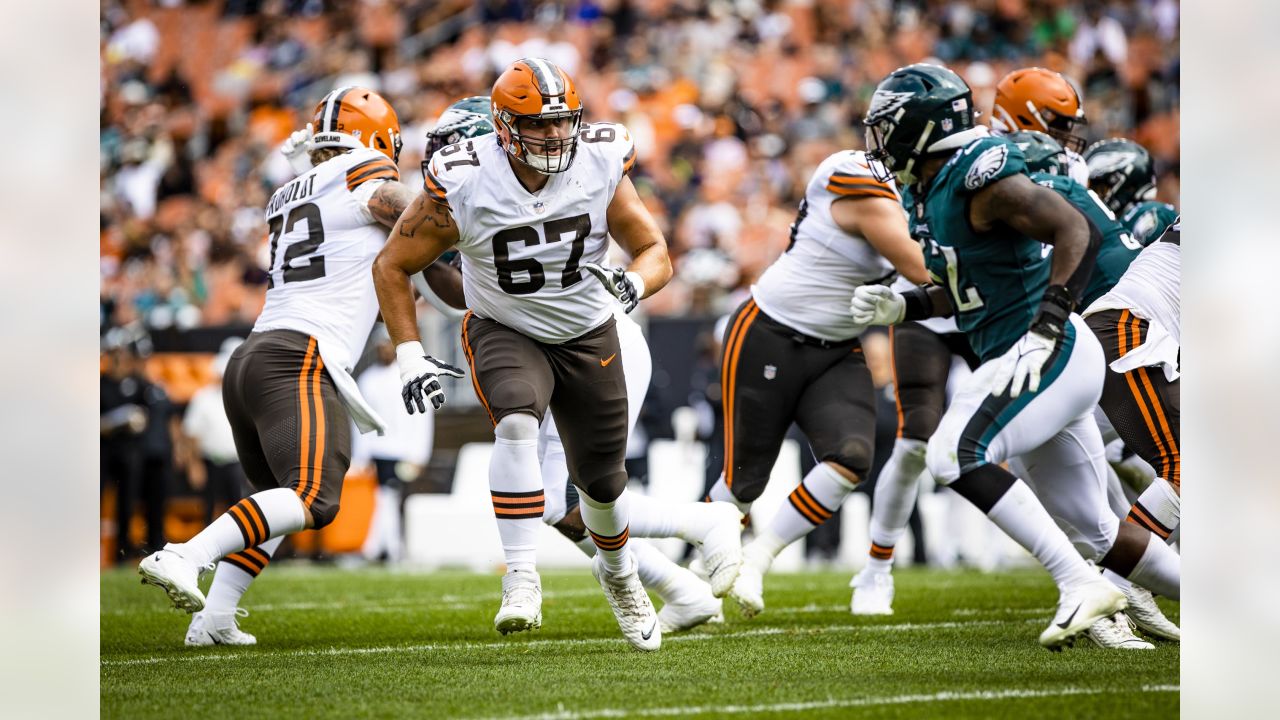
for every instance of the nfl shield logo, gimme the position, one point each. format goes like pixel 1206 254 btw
pixel 770 372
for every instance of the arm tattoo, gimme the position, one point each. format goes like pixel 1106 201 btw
pixel 389 201
pixel 423 209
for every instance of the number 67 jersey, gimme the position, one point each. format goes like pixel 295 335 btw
pixel 323 242
pixel 522 251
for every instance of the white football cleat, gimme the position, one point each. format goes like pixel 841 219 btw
pixel 177 576
pixel 630 603
pixel 209 627
pixel 689 603
pixel 1079 608
pixel 521 602
pixel 748 591
pixel 721 546
pixel 872 593
pixel 1145 614
pixel 1116 633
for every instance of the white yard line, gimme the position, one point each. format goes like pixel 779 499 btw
pixel 792 707
pixel 255 654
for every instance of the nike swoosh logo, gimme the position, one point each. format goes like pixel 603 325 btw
pixel 649 633
pixel 1070 617
pixel 605 362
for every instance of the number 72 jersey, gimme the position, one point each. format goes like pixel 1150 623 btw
pixel 522 251
pixel 323 240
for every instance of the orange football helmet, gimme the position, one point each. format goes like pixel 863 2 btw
pixel 1042 100
pixel 534 89
pixel 357 117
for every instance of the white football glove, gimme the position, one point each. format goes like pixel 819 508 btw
pixel 628 287
pixel 877 305
pixel 420 377
pixel 297 148
pixel 1022 363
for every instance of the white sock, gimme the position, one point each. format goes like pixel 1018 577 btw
pixel 250 522
pixel 1116 579
pixel 761 551
pixel 656 570
pixel 587 546
pixel 720 492
pixel 1021 516
pixel 812 503
pixel 1158 509
pixel 236 572
pixel 515 484
pixel 651 518
pixel 895 496
pixel 1159 570
pixel 607 525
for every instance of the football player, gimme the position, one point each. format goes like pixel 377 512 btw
pixel 687 600
pixel 287 389
pixel 1122 174
pixel 1138 324
pixel 983 221
pixel 531 209
pixel 793 354
pixel 1042 100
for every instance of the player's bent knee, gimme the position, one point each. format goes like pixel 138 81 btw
pixel 941 458
pixel 517 426
pixel 322 514
pixel 747 489
pixel 853 456
pixel 920 424
pixel 606 489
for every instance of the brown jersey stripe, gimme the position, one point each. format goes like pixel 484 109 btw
pixel 843 191
pixel 317 469
pixel 629 161
pixel 374 174
pixel 847 179
pixel 729 378
pixel 434 189
pixel 471 363
pixel 304 416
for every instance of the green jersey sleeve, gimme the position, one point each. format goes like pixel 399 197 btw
pixel 987 160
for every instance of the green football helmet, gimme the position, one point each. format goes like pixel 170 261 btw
pixel 1121 173
pixel 917 111
pixel 1043 153
pixel 469 117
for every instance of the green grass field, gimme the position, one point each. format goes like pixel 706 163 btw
pixel 370 643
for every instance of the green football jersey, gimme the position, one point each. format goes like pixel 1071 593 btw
pixel 995 278
pixel 1148 220
pixel 1118 247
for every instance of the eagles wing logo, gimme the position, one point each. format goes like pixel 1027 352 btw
pixel 986 166
pixel 1108 162
pixel 886 102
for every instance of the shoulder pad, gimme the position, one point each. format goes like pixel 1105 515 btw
pixel 987 160
pixel 847 174
pixel 611 140
pixel 361 166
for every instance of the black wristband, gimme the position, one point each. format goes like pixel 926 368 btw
pixel 1055 309
pixel 918 304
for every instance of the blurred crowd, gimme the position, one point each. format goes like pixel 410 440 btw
pixel 732 104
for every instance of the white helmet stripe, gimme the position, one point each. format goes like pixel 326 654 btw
pixel 333 101
pixel 547 77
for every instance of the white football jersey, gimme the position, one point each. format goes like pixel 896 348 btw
pixel 809 286
pixel 1151 286
pixel 323 242
pixel 521 251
